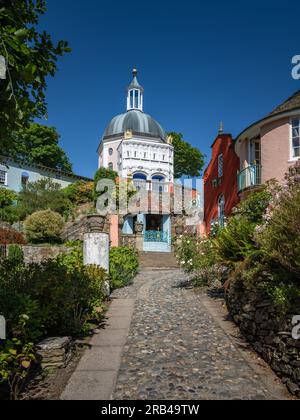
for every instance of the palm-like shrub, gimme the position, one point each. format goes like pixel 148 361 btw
pixel 123 266
pixel 237 240
pixel 44 227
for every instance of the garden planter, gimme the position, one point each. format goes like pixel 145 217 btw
pixel 95 223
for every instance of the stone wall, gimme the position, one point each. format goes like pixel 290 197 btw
pixel 38 254
pixel 74 230
pixel 269 333
pixel 128 240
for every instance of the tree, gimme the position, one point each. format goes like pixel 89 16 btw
pixel 42 195
pixel 8 211
pixel 103 174
pixel 188 160
pixel 30 58
pixel 39 144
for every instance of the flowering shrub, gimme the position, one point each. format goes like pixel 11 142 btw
pixel 11 236
pixel 186 252
pixel 193 253
pixel 270 258
pixel 198 257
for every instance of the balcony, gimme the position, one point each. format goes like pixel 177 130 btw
pixel 249 178
pixel 160 187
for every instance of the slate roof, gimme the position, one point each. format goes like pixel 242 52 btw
pixel 290 104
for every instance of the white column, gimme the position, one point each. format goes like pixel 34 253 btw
pixel 96 250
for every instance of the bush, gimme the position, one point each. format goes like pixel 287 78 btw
pixel 123 266
pixel 103 173
pixel 193 253
pixel 11 236
pixel 44 227
pixel 80 192
pixel 16 359
pixel 236 241
pixel 25 291
pixel 280 237
pixel 55 298
pixel 273 264
pixel 8 212
pixel 16 254
pixel 43 195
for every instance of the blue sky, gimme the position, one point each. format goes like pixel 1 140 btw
pixel 199 62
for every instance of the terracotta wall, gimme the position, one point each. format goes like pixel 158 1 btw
pixel 227 185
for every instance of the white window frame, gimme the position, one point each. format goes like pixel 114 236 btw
pixel 221 207
pixel 5 175
pixel 292 157
pixel 220 165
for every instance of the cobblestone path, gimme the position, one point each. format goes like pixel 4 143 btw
pixel 181 348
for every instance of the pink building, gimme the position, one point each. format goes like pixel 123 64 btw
pixel 270 146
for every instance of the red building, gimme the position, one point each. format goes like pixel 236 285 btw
pixel 220 181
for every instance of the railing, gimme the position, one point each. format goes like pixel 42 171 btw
pixel 151 186
pixel 156 236
pixel 249 177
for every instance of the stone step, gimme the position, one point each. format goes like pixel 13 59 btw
pixel 157 260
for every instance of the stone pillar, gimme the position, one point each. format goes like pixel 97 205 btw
pixel 139 242
pixel 96 249
pixel 96 246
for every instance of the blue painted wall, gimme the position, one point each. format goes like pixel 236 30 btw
pixel 14 173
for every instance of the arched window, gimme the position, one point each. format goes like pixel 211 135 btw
pixel 157 182
pixel 140 177
pixel 111 151
pixel 221 210
pixel 111 166
pixel 139 180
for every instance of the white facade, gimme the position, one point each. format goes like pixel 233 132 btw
pixel 139 156
pixel 135 145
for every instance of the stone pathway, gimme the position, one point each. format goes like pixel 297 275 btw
pixel 165 341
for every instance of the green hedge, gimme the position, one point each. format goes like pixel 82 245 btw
pixel 124 266
pixel 55 298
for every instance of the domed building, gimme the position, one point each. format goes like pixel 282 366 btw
pixel 136 146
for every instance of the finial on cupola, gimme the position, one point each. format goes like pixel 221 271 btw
pixel 221 127
pixel 135 94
